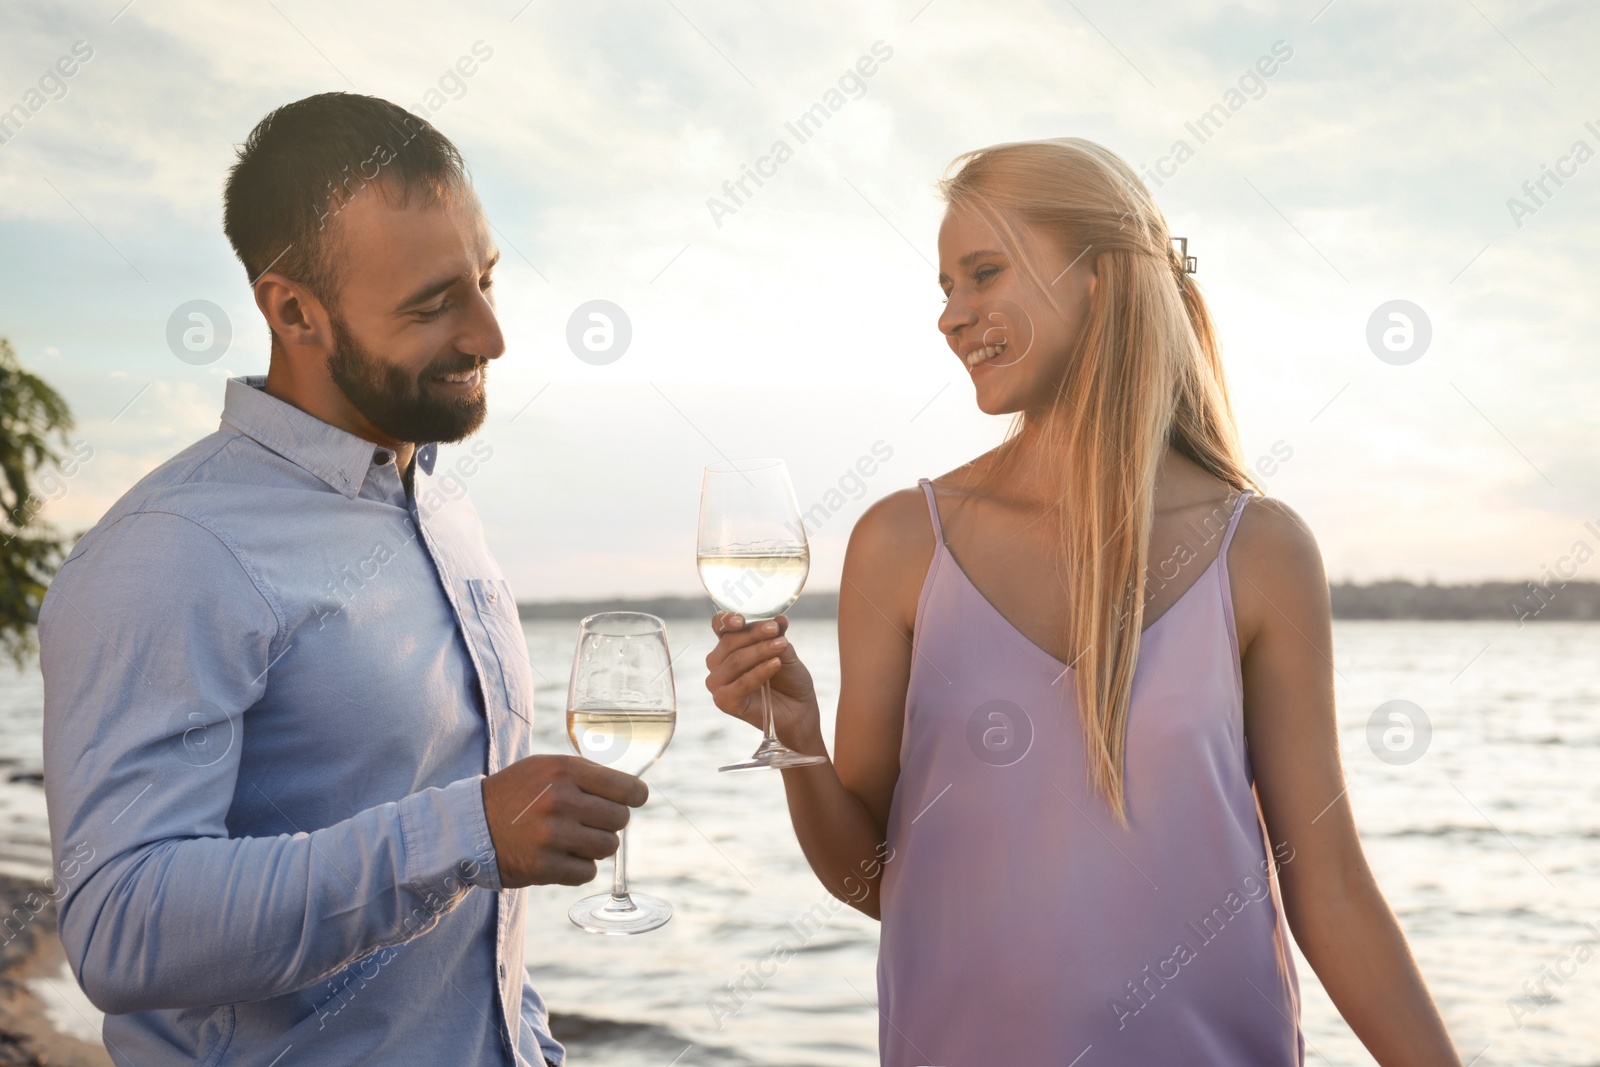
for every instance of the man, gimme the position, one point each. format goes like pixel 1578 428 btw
pixel 287 697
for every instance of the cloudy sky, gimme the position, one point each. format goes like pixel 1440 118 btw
pixel 1377 163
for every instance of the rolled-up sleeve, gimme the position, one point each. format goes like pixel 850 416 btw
pixel 156 639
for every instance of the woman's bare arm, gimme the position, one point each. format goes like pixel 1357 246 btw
pixel 1332 903
pixel 840 810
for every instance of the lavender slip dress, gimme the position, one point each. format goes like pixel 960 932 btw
pixel 1021 926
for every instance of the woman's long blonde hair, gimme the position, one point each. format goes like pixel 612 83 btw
pixel 1146 373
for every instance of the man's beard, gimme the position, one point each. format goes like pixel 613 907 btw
pixel 400 405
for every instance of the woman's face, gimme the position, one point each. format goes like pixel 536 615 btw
pixel 1008 337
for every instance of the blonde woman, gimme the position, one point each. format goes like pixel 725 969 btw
pixel 1086 770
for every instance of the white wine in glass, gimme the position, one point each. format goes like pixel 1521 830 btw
pixel 621 711
pixel 629 740
pixel 753 560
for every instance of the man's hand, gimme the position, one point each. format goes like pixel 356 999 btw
pixel 552 817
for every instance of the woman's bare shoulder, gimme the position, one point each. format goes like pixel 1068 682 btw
pixel 888 555
pixel 1269 525
pixel 900 524
pixel 893 543
pixel 893 524
pixel 1277 570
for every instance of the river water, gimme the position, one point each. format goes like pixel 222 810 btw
pixel 1487 848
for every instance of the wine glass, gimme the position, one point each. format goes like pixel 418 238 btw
pixel 753 559
pixel 621 710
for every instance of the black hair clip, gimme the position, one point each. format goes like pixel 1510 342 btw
pixel 1188 262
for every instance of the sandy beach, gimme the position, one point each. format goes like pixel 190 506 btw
pixel 43 1016
pixel 45 1020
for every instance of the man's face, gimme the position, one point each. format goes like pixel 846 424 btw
pixel 413 321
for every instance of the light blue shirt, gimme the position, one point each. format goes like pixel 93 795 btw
pixel 273 683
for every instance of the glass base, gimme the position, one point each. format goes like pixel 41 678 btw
pixel 634 913
pixel 775 754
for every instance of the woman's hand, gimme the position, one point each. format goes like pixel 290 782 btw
pixel 748 655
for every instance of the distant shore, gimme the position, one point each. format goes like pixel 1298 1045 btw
pixel 1519 602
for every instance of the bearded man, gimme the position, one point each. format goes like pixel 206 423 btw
pixel 288 701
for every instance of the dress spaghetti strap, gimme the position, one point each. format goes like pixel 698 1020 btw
pixel 1239 509
pixel 933 509
pixel 1233 522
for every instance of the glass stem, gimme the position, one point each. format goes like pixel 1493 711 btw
pixel 619 874
pixel 766 713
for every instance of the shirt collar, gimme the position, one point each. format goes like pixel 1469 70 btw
pixel 337 456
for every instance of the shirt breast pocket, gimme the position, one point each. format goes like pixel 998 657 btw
pixel 497 612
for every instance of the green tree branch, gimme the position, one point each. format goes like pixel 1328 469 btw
pixel 33 417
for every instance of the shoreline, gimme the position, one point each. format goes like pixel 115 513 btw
pixel 29 1036
pixel 1554 600
pixel 32 1033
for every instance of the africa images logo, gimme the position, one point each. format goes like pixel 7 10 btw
pixel 804 128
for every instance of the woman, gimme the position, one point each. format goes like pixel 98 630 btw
pixel 1076 861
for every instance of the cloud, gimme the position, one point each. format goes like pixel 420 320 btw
pixel 1375 166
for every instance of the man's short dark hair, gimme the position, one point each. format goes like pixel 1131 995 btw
pixel 305 161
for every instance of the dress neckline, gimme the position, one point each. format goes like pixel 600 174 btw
pixel 1034 645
